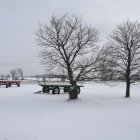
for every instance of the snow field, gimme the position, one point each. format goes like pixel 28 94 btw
pixel 100 113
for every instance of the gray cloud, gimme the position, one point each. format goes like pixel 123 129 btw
pixel 20 18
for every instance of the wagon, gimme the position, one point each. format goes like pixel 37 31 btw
pixel 9 83
pixel 55 88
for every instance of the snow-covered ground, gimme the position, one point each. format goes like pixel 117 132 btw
pixel 100 113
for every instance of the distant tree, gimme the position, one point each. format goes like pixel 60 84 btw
pixel 13 74
pixel 20 73
pixel 2 76
pixel 107 69
pixel 125 50
pixel 7 76
pixel 106 72
pixel 70 45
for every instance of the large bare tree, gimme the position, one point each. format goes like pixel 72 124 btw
pixel 68 45
pixel 125 50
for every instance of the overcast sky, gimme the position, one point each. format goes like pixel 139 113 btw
pixel 19 19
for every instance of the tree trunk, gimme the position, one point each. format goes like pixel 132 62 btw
pixel 73 94
pixel 128 75
pixel 127 89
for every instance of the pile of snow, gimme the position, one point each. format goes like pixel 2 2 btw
pixel 100 113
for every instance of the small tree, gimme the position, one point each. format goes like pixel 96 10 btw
pixel 7 76
pixel 125 50
pixel 69 45
pixel 2 76
pixel 20 73
pixel 13 74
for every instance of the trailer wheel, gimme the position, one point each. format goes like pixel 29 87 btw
pixel 18 84
pixel 7 85
pixel 10 85
pixel 45 90
pixel 56 90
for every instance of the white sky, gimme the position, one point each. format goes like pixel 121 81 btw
pixel 19 19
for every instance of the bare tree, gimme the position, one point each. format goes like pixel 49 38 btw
pixel 69 45
pixel 20 73
pixel 125 50
pixel 7 76
pixel 107 70
pixel 13 74
pixel 2 76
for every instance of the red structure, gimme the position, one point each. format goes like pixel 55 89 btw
pixel 9 83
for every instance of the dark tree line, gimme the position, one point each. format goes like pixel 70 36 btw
pixel 69 45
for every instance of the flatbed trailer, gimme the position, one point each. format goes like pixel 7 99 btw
pixel 9 83
pixel 55 88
